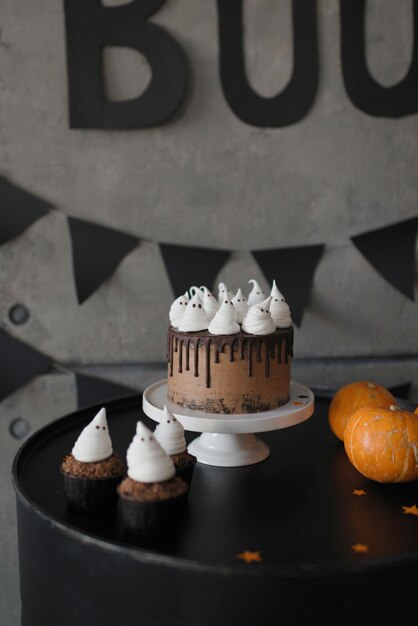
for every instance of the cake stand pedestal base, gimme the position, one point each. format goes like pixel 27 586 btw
pixel 229 440
pixel 226 450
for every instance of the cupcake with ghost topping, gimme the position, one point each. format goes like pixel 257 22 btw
pixel 151 495
pixel 92 471
pixel 170 435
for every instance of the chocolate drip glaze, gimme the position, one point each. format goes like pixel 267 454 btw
pixel 242 344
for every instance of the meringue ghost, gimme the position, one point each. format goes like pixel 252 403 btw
pixel 280 312
pixel 177 310
pixel 222 291
pixel 258 320
pixel 241 306
pixel 279 309
pixel 195 317
pixel 147 461
pixel 225 320
pixel 170 433
pixel 256 294
pixel 210 304
pixel 276 293
pixel 94 444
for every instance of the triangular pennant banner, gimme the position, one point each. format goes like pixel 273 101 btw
pixel 18 210
pixel 293 269
pixel 92 390
pixel 19 363
pixel 97 251
pixel 187 266
pixel 391 251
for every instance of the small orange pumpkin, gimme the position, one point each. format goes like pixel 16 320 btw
pixel 382 444
pixel 350 398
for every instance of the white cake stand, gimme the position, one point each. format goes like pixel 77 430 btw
pixel 229 440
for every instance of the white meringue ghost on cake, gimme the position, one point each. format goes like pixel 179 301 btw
pixel 258 320
pixel 94 443
pixel 195 317
pixel 210 304
pixel 279 309
pixel 225 320
pixel 177 310
pixel 147 461
pixel 170 433
pixel 256 294
pixel 241 306
pixel 223 290
pixel 275 292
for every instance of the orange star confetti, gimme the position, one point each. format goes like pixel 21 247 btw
pixel 412 510
pixel 298 403
pixel 359 492
pixel 250 557
pixel 360 547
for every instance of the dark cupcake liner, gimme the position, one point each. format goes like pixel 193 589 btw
pixel 91 495
pixel 150 518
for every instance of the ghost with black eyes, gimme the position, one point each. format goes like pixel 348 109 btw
pixel 210 304
pixel 256 294
pixel 177 310
pixel 225 320
pixel 195 317
pixel 147 461
pixel 170 433
pixel 93 443
pixel 279 308
pixel 258 320
pixel 223 290
pixel 241 306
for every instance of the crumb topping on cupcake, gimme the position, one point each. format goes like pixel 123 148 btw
pixel 152 491
pixel 113 466
pixel 183 460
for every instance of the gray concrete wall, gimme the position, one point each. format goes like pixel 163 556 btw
pixel 207 179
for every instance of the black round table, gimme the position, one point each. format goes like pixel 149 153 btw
pixel 300 536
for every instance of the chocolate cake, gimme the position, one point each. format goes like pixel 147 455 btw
pixel 230 367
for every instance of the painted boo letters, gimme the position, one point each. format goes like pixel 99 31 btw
pixel 90 26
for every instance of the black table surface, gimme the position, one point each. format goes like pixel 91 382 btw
pixel 296 509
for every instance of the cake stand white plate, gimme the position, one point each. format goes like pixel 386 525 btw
pixel 229 440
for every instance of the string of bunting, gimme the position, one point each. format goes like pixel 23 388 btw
pixel 21 363
pixel 97 251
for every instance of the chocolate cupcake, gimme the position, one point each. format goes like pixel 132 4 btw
pixel 150 497
pixel 170 435
pixel 93 471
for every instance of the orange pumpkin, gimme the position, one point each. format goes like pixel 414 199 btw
pixel 382 444
pixel 350 398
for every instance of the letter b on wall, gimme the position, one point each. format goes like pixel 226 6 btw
pixel 89 27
